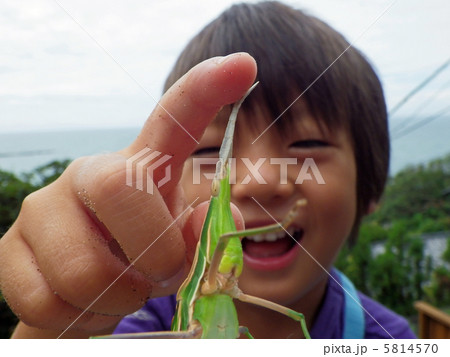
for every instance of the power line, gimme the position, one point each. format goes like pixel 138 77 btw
pixel 419 87
pixel 401 126
pixel 421 123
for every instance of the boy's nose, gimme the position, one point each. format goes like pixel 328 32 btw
pixel 262 178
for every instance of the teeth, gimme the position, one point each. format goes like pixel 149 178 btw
pixel 271 237
pixel 256 238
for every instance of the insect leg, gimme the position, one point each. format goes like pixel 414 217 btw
pixel 194 333
pixel 297 316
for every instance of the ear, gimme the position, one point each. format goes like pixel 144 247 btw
pixel 371 207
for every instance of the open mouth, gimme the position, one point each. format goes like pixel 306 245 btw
pixel 272 251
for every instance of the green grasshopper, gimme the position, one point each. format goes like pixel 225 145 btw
pixel 205 307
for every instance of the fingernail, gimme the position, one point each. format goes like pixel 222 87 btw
pixel 219 60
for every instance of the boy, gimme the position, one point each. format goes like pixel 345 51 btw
pixel 76 236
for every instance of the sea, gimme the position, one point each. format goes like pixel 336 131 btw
pixel 21 152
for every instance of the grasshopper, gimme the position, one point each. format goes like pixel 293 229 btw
pixel 205 307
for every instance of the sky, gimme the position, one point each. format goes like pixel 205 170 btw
pixel 101 64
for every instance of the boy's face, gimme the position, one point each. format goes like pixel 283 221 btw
pixel 281 270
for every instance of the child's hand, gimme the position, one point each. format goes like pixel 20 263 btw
pixel 75 237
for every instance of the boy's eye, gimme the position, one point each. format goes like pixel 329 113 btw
pixel 309 144
pixel 212 151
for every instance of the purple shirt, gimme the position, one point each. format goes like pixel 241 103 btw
pixel 380 322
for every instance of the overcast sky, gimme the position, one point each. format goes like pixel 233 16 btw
pixel 78 64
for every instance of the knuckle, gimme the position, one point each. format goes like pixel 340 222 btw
pixel 30 202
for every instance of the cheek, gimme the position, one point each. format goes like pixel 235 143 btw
pixel 341 210
pixel 336 200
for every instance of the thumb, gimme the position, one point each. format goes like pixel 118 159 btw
pixel 186 109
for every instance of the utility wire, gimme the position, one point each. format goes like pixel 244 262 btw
pixel 419 87
pixel 401 126
pixel 421 123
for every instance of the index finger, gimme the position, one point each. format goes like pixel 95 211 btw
pixel 180 118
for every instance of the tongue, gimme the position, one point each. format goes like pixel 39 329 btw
pixel 267 249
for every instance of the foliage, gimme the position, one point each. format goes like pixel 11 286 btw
pixel 356 262
pixel 46 174
pixel 398 273
pixel 446 254
pixel 416 201
pixel 394 276
pixel 438 290
pixel 13 190
pixel 419 194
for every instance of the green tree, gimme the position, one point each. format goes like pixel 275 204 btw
pixel 12 192
pixel 46 174
pixel 356 261
pixel 438 290
pixel 421 191
pixel 396 276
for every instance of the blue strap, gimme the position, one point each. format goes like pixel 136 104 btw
pixel 354 324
